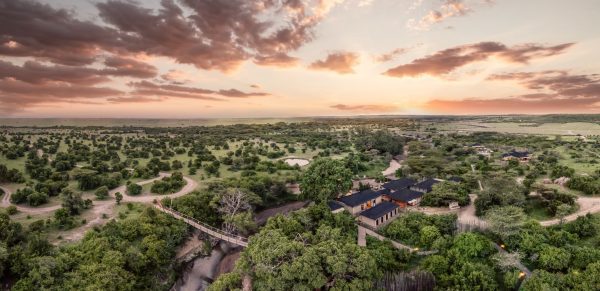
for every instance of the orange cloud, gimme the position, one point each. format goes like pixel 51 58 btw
pixel 365 107
pixel 340 62
pixel 382 58
pixel 522 105
pixel 450 8
pixel 553 92
pixel 448 60
pixel 277 60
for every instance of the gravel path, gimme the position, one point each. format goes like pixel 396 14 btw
pixel 586 205
pixel 101 207
pixel 395 165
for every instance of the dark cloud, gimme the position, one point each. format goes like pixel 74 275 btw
pixel 31 29
pixel 558 83
pixel 239 94
pixel 145 88
pixel 386 57
pixel 556 92
pixel 217 34
pixel 340 62
pixel 278 60
pixel 17 95
pixel 178 91
pixel 36 73
pixel 448 60
pixel 129 68
pixel 365 107
pixel 134 99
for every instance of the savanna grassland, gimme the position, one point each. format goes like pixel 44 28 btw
pixel 78 197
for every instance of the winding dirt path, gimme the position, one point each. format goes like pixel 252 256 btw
pixel 107 207
pixel 586 205
pixel 25 209
pixel 105 204
pixel 395 165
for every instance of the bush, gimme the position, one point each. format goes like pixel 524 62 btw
pixel 37 198
pixel 168 184
pixel 102 192
pixel 11 210
pixel 134 189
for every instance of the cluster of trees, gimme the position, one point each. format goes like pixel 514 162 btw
pixel 132 254
pixel 72 205
pixel 325 179
pixel 10 176
pixel 557 202
pixel 270 190
pixel 561 255
pixel 39 194
pixel 498 191
pixel 32 197
pixel 89 180
pixel 312 249
pixel 463 263
pixel 14 151
pixel 37 167
pixel 168 184
pixel 442 194
pixel 418 229
pixel 589 185
pixel 380 140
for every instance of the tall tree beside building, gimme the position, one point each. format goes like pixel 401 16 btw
pixel 325 179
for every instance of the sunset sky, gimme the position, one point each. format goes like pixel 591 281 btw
pixel 280 58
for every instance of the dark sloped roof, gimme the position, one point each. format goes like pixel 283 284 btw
pixel 359 198
pixel 379 210
pixel 516 154
pixel 333 205
pixel 427 185
pixel 405 195
pixel 401 183
pixel 455 179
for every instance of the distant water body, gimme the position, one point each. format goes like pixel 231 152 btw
pixel 110 122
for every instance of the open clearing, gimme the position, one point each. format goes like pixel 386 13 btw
pixel 573 128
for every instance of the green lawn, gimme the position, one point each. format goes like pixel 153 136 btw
pixel 581 165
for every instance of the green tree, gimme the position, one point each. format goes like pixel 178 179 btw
pixel 499 191
pixel 563 210
pixel 505 221
pixel 325 179
pixel 428 235
pixel 118 197
pixel 101 193
pixel 445 192
pixel 554 259
pixel 134 189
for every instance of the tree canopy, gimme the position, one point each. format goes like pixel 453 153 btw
pixel 325 179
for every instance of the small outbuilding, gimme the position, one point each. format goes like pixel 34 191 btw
pixel 405 197
pixel 425 186
pixel 363 200
pixel 377 216
pixel 335 207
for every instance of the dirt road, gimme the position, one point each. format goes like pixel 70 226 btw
pixel 106 204
pixel 586 205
